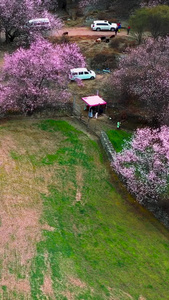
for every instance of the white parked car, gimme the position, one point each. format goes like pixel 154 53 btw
pixel 81 73
pixel 103 25
pixel 42 23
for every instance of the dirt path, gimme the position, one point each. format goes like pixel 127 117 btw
pixel 85 31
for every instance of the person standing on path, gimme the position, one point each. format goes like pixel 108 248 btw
pixel 96 115
pixel 116 30
pixel 119 27
pixel 128 30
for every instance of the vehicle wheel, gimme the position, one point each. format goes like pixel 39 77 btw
pixel 112 29
pixel 98 29
pixel 92 77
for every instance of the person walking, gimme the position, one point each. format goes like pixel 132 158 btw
pixel 118 125
pixel 128 30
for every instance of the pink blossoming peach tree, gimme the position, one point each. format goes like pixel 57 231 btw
pixel 144 165
pixel 39 76
pixel 16 13
pixel 143 73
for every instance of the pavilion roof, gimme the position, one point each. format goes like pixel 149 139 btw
pixel 94 100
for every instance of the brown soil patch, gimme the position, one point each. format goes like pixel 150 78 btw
pixel 77 282
pixel 20 212
pixel 21 206
pixel 69 295
pixel 19 233
pixel 86 31
pixel 6 144
pixel 13 284
pixel 47 288
pixel 20 228
pixel 75 229
pixel 79 181
pixel 78 196
pixel 47 227
pixel 117 294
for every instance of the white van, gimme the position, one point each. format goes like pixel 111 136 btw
pixel 103 25
pixel 81 73
pixel 42 23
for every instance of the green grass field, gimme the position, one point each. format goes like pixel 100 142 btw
pixel 118 138
pixel 67 230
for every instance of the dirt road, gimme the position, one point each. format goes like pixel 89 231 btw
pixel 85 31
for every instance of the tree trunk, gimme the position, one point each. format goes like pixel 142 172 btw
pixel 7 39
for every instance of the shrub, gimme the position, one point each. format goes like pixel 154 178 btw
pixel 103 61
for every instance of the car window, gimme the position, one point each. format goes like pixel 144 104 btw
pixel 39 23
pixel 74 73
pixel 86 72
pixel 80 73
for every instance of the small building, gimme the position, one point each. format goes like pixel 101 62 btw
pixel 95 105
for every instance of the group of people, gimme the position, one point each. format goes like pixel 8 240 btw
pixel 118 29
pixel 95 112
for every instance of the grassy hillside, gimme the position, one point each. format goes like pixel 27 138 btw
pixel 66 229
